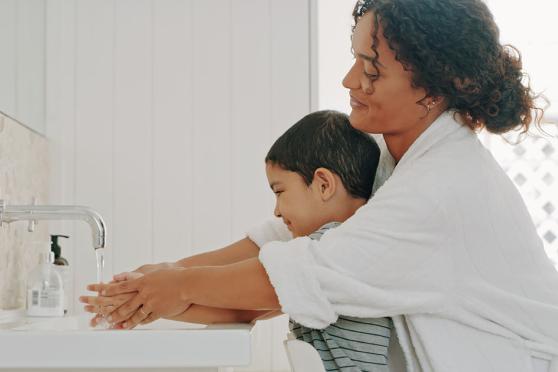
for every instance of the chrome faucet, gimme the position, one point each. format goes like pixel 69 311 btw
pixel 34 213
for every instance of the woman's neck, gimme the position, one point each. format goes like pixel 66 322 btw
pixel 398 143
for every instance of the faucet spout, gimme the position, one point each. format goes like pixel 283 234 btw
pixel 13 213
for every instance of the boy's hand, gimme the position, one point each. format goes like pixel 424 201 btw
pixel 104 305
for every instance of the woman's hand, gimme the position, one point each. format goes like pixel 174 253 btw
pixel 154 295
pixel 127 275
pixel 103 306
pixel 148 268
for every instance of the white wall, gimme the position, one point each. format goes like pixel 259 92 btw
pixel 532 29
pixel 333 53
pixel 160 114
pixel 22 66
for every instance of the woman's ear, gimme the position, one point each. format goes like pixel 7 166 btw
pixel 325 183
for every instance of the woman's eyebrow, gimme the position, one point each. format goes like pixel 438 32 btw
pixel 273 184
pixel 370 59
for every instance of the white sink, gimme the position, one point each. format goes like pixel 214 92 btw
pixel 69 342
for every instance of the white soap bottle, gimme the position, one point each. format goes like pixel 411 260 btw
pixel 63 267
pixel 45 290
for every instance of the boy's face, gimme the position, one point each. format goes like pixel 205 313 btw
pixel 297 204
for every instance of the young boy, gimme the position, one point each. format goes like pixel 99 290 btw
pixel 321 171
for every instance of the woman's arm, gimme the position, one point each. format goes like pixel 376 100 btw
pixel 243 286
pixel 212 315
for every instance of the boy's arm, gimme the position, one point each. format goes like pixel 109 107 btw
pixel 235 252
pixel 212 315
pixel 238 251
pixel 271 230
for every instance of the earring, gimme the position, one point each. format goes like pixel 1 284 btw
pixel 430 105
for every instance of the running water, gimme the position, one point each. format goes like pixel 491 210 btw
pixel 100 253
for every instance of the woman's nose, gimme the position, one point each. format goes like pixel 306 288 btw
pixel 351 79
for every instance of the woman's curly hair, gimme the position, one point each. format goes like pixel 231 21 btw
pixel 452 49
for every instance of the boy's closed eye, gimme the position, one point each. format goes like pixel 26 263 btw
pixel 277 189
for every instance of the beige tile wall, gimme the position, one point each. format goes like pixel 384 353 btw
pixel 24 172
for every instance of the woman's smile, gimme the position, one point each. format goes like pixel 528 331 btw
pixel 356 104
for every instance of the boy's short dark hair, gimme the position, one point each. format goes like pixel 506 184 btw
pixel 327 139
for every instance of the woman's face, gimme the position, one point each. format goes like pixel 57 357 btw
pixel 387 105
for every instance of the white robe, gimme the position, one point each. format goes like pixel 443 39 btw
pixel 445 247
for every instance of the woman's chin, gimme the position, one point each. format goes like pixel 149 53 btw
pixel 359 120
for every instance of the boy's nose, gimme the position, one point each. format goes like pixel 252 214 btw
pixel 276 211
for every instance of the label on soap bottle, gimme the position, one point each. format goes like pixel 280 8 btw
pixel 45 302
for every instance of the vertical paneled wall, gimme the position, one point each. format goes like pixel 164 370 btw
pixel 160 114
pixel 22 66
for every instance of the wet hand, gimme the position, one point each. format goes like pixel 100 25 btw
pixel 155 295
pixel 103 306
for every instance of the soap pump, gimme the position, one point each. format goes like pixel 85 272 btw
pixel 55 248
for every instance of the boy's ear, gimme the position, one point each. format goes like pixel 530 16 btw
pixel 325 182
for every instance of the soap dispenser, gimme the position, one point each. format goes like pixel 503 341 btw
pixel 63 267
pixel 45 291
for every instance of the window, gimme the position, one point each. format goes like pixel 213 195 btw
pixel 533 163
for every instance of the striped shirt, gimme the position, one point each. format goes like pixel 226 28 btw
pixel 350 344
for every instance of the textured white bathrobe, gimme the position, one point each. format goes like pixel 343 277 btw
pixel 446 247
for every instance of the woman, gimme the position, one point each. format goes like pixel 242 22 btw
pixel 445 247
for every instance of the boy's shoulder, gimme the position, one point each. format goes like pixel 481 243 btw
pixel 316 235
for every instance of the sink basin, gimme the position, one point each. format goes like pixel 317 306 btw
pixel 69 342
